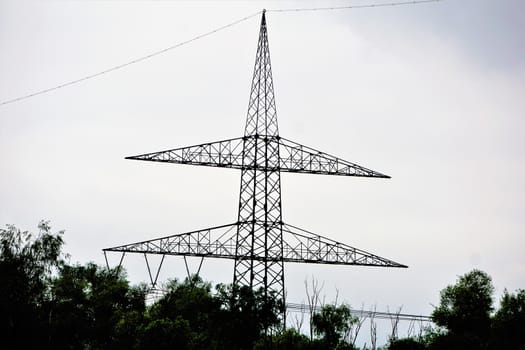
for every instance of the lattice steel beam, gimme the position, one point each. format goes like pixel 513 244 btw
pixel 293 157
pixel 226 154
pixel 297 158
pixel 299 246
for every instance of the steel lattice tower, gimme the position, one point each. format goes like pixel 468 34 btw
pixel 259 241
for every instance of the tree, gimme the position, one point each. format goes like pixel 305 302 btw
pixel 465 312
pixel 333 323
pixel 186 307
pixel 93 307
pixel 289 339
pixel 509 322
pixel 246 315
pixel 167 334
pixel 405 344
pixel 26 266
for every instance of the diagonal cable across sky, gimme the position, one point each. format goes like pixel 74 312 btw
pixel 201 36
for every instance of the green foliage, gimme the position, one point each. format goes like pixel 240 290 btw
pixel 406 344
pixel 26 266
pixel 88 304
pixel 333 323
pixel 432 335
pixel 465 310
pixel 232 318
pixel 188 303
pixel 246 315
pixel 509 322
pixel 44 302
pixel 166 334
pixel 464 318
pixel 291 339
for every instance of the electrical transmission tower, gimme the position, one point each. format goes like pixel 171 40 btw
pixel 259 241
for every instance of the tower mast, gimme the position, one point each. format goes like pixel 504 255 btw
pixel 259 242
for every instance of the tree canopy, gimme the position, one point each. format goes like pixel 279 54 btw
pixel 333 323
pixel 27 263
pixel 466 319
pixel 465 310
pixel 46 302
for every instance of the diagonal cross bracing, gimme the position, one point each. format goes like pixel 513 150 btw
pixel 218 241
pixel 226 153
pixel 259 242
pixel 292 157
pixel 299 246
pixel 261 265
pixel 296 158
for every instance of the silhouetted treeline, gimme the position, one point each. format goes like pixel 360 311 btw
pixel 47 303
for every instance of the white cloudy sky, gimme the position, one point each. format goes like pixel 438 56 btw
pixel 429 94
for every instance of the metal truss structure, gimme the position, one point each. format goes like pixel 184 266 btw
pixel 259 241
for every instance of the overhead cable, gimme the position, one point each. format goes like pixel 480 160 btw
pixel 120 66
pixel 348 7
pixel 156 53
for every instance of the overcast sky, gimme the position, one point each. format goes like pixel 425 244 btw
pixel 432 95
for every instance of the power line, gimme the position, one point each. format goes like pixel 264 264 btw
pixel 384 4
pixel 304 308
pixel 156 53
pixel 155 293
pixel 120 66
